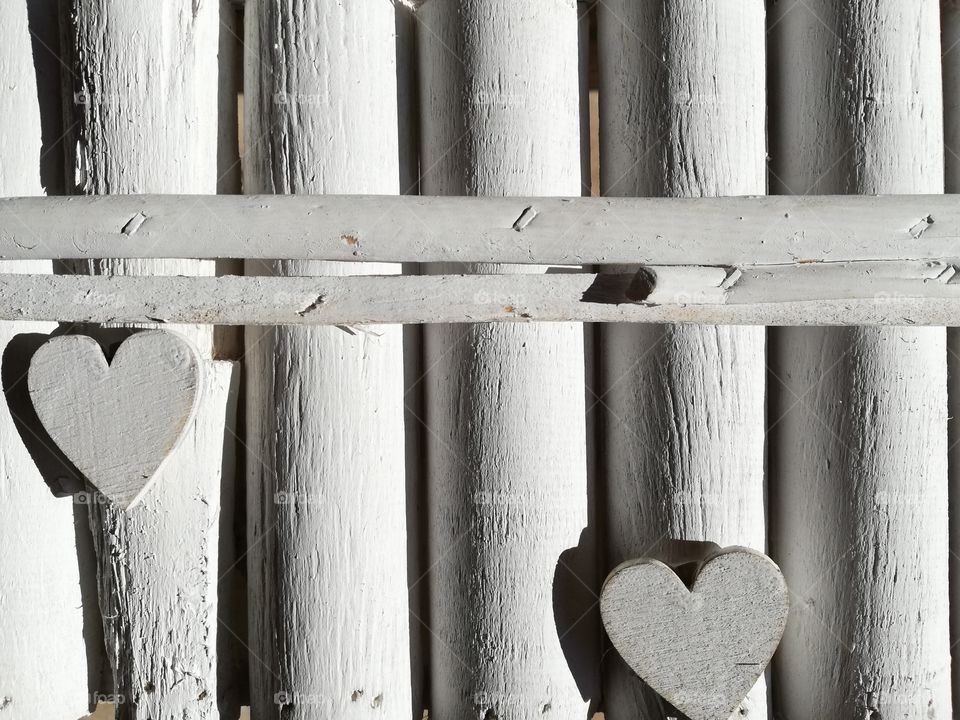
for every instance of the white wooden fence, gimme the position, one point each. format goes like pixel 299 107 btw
pixel 376 519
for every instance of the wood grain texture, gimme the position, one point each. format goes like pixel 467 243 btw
pixel 859 453
pixel 159 602
pixel 827 294
pixel 682 96
pixel 702 648
pixel 506 446
pixel 144 113
pixel 41 618
pixel 950 42
pixel 144 118
pixel 329 619
pixel 116 421
pixel 561 230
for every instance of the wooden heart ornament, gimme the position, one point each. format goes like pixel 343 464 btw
pixel 703 648
pixel 116 422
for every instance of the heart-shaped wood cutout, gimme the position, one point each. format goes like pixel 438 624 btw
pixel 702 649
pixel 116 422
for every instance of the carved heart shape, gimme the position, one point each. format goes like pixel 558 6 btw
pixel 702 648
pixel 116 422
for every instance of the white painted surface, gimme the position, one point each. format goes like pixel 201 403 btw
pixel 41 619
pixel 563 230
pixel 157 594
pixel 858 459
pixel 117 422
pixel 682 93
pixel 811 294
pixel 703 648
pixel 506 438
pixel 326 492
pixel 146 83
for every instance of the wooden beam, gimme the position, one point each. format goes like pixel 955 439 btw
pixel 863 294
pixel 526 230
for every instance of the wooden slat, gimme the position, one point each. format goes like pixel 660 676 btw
pixel 858 456
pixel 867 294
pixel 682 113
pixel 530 230
pixel 43 662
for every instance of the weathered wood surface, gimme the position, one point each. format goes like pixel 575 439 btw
pixel 153 591
pixel 116 422
pixel 866 294
pixel 329 622
pixel 702 648
pixel 42 656
pixel 683 98
pixel 144 118
pixel 529 230
pixel 859 451
pixel 950 39
pixel 506 445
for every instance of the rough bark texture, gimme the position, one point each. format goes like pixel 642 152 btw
pixel 145 81
pixel 682 114
pixel 859 453
pixel 511 565
pixel 42 661
pixel 326 486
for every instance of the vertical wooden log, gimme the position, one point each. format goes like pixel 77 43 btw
pixel 329 624
pixel 42 655
pixel 950 38
pixel 506 447
pixel 145 108
pixel 858 460
pixel 682 93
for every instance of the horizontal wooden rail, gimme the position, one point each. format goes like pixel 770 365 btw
pixel 866 293
pixel 567 231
